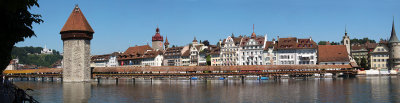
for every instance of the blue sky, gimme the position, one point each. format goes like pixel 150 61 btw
pixel 119 24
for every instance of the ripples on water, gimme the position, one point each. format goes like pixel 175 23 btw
pixel 360 89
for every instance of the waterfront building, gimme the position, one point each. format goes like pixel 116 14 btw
pixel 106 60
pixel 76 35
pixel 13 65
pixel 45 50
pixel 269 54
pixel 361 52
pixel 194 55
pixel 394 48
pixel 380 56
pixel 215 56
pixel 293 51
pixel 157 40
pixel 202 59
pixel 333 55
pixel 185 56
pixel 172 56
pixel 251 49
pixel 197 55
pixel 141 56
pixel 230 51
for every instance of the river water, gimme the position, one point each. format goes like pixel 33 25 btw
pixel 360 89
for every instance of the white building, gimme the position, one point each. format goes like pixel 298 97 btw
pixel 251 50
pixel 293 51
pixel 106 60
pixel 269 53
pixel 45 50
pixel 230 51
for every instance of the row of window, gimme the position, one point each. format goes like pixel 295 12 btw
pixel 381 60
pixel 252 47
pixel 380 55
pixel 380 65
pixel 251 53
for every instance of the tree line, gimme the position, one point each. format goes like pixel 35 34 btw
pixel 352 41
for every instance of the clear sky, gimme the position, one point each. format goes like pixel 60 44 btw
pixel 119 24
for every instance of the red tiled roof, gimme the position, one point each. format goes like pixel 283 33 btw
pixel 294 43
pixel 104 57
pixel 174 51
pixel 259 40
pixel 213 68
pixel 215 51
pixel 333 53
pixel 136 52
pixel 77 22
pixel 236 40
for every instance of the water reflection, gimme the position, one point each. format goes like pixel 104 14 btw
pixel 360 89
pixel 76 92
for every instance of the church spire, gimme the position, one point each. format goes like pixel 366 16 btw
pixel 345 30
pixel 393 36
pixel 253 35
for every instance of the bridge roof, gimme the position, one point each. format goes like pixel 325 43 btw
pixel 185 68
pixel 214 68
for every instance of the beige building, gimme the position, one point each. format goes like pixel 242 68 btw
pixel 380 56
pixel 215 56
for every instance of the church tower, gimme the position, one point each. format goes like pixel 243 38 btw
pixel 346 41
pixel 166 44
pixel 394 50
pixel 76 35
pixel 157 40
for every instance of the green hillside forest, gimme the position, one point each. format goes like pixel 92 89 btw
pixel 31 55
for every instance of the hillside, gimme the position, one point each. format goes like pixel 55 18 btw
pixel 31 55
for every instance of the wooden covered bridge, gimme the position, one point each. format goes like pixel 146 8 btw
pixel 191 71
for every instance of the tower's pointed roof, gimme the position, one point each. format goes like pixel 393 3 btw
pixel 194 40
pixel 166 41
pixel 157 36
pixel 393 36
pixel 345 30
pixel 77 22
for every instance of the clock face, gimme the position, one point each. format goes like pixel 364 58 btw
pixel 160 44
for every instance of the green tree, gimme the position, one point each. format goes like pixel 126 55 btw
pixel 363 63
pixel 208 60
pixel 206 43
pixel 322 43
pixel 16 25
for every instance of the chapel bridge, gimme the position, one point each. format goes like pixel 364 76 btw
pixel 192 71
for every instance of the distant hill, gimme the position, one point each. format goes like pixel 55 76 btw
pixel 31 55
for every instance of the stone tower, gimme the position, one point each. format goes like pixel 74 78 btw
pixel 76 35
pixel 346 41
pixel 394 50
